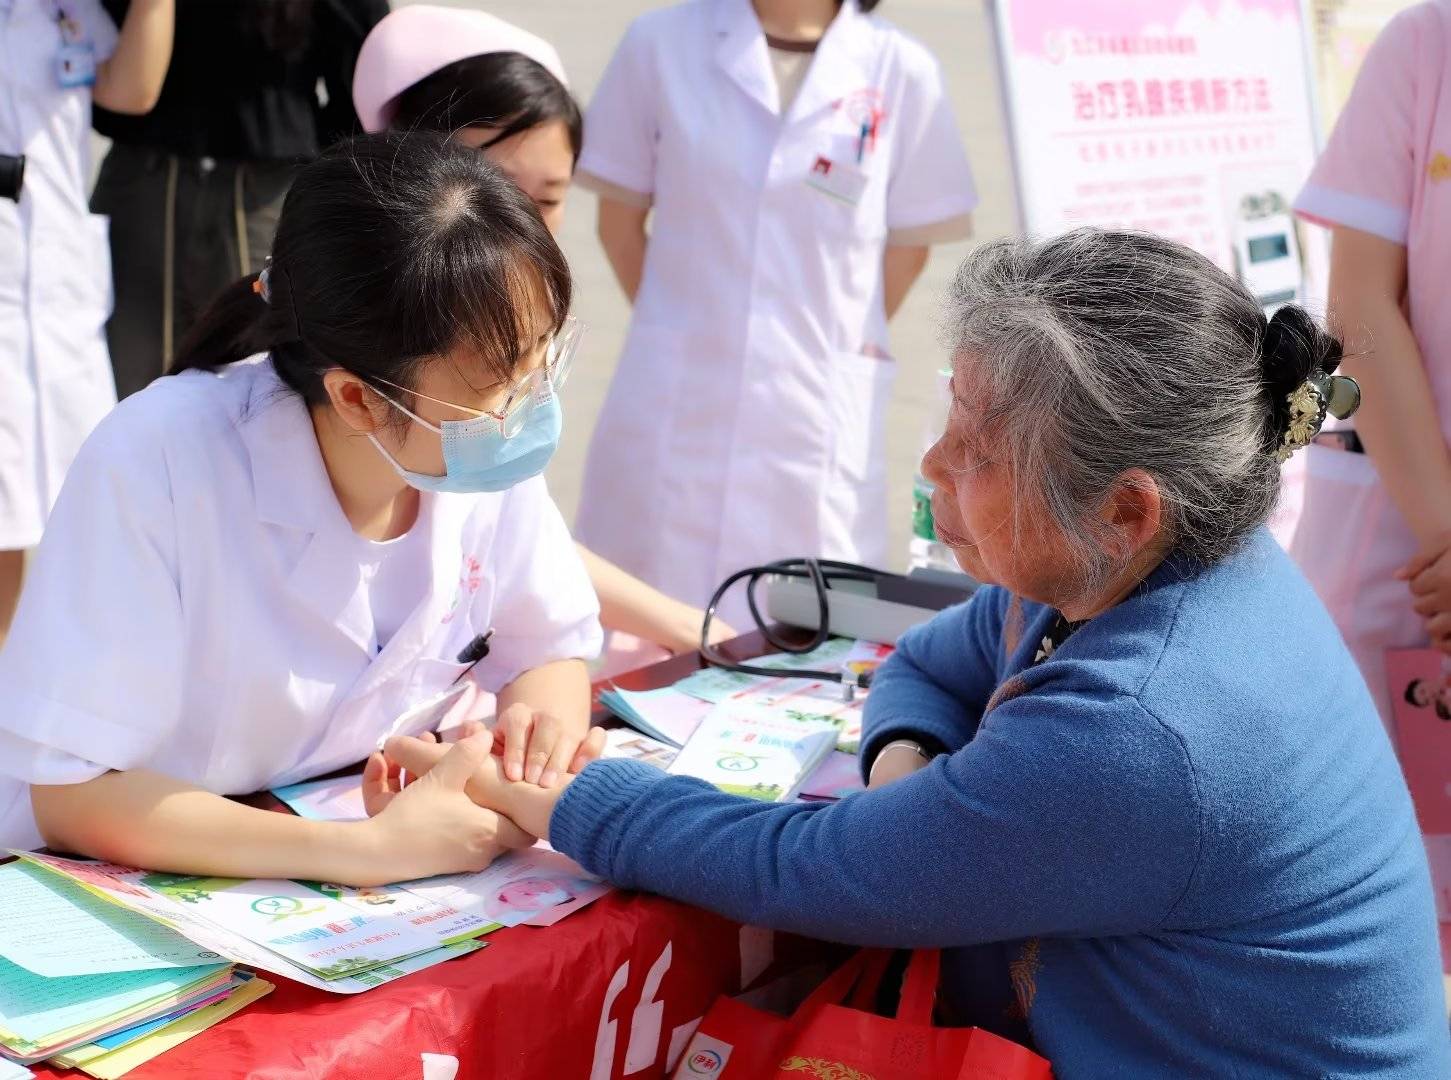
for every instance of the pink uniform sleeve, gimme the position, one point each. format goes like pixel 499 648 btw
pixel 1365 178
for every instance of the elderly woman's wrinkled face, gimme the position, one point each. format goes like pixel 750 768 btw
pixel 974 511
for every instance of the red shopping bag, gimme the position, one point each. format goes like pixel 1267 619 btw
pixel 828 1040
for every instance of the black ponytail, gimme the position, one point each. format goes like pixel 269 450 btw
pixel 1294 347
pixel 391 249
pixel 507 91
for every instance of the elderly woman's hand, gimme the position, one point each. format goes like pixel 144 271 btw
pixel 529 806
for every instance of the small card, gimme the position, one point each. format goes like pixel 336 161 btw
pixel 75 65
pixel 838 179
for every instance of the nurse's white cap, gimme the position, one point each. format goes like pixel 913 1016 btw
pixel 413 42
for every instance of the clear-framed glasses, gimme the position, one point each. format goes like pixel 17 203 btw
pixel 543 382
pixel 536 388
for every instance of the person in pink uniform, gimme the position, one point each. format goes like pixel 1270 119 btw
pixel 1375 535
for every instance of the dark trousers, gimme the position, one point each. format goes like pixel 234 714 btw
pixel 181 230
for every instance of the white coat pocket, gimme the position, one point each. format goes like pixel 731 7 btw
pixel 860 389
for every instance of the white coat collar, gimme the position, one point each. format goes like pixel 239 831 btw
pixel 842 65
pixel 291 488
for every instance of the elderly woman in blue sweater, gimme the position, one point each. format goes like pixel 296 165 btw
pixel 1136 788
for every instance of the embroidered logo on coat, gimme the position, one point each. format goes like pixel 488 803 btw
pixel 470 578
pixel 1440 168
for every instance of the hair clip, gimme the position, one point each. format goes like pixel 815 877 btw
pixel 263 285
pixel 1320 395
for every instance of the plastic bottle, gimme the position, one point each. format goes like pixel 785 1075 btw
pixel 924 549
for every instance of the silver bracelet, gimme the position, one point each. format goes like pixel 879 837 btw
pixel 916 747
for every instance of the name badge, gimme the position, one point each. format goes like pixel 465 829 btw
pixel 75 65
pixel 838 179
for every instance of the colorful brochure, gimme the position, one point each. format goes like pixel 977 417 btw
pixel 338 799
pixel 747 749
pixel 40 1016
pixel 631 744
pixel 284 927
pixel 135 1052
pixel 54 927
pixel 522 887
pixel 667 715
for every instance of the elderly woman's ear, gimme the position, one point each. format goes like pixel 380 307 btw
pixel 1132 518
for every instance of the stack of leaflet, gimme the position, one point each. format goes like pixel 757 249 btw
pixel 750 750
pixel 674 714
pixel 86 984
pixel 336 938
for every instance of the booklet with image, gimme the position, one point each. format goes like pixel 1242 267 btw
pixel 289 928
pixel 751 750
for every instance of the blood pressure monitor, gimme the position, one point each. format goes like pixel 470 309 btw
pixel 1266 252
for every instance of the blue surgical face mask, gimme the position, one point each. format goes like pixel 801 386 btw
pixel 476 455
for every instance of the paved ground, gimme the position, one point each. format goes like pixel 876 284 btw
pixel 586 31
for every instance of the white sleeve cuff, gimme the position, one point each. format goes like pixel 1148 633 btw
pixel 1329 207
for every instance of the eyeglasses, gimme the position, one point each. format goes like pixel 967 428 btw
pixel 535 389
pixel 543 382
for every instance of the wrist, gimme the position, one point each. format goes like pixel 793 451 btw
pixel 530 806
pixel 906 752
pixel 352 852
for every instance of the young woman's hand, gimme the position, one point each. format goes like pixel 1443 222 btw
pixel 1429 576
pixel 529 805
pixel 540 748
pixel 433 825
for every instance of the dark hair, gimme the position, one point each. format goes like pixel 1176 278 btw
pixel 867 6
pixel 503 90
pixel 391 249
pixel 1292 348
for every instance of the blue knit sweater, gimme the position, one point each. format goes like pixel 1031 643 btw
pixel 1179 847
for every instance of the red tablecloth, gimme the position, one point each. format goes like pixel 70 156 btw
pixel 613 991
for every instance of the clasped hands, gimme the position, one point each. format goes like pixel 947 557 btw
pixel 437 808
pixel 1429 578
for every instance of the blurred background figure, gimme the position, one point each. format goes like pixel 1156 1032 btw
pixel 798 157
pixel 491 85
pixel 1375 535
pixel 194 188
pixel 56 57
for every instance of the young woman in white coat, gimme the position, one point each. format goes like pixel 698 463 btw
pixel 798 157
pixel 56 57
pixel 498 88
pixel 332 515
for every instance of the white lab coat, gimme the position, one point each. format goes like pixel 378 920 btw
pixel 55 268
pixel 746 419
pixel 196 607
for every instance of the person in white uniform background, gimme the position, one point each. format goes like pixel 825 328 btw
pixel 798 157
pixel 259 565
pixel 56 56
pixel 496 87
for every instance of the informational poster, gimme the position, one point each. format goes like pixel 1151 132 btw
pixel 1188 118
